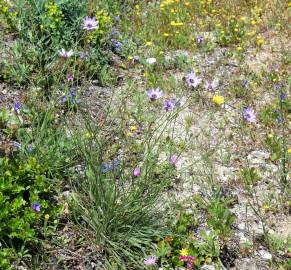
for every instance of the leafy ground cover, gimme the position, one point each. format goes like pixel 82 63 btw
pixel 145 134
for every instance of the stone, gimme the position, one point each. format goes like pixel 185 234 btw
pixel 265 255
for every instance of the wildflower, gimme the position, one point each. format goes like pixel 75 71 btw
pixel 189 265
pixel 184 252
pixel 259 41
pixel 66 54
pixel 289 151
pixel 17 145
pixel 219 100
pixel 70 77
pixel 283 96
pixel 137 172
pixel 115 164
pixel 154 94
pixel 17 107
pixel 70 97
pixel 211 86
pixel 46 216
pixel 187 258
pixel 136 59
pixel 90 23
pixel 244 83
pixel 193 80
pixel 149 43
pixel 249 115
pixel 36 207
pixel 169 105
pixel 200 39
pixel 151 60
pixel 173 160
pixel 151 260
pixel 103 167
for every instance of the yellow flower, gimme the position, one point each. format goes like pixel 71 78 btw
pixel 259 41
pixel 253 22
pixel 289 151
pixel 89 135
pixel 149 43
pixel 46 216
pixel 218 99
pixel 184 252
pixel 270 136
pixel 239 48
pixel 130 57
pixel 166 34
pixel 133 128
pixel 129 134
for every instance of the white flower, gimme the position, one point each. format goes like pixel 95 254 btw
pixel 66 54
pixel 151 60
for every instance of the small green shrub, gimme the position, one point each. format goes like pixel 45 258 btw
pixel 23 186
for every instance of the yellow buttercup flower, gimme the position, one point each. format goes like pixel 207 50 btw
pixel 133 128
pixel 149 43
pixel 218 99
pixel 184 252
pixel 46 216
pixel 289 151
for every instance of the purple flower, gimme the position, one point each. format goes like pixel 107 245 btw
pixel 90 23
pixel 249 115
pixel 283 96
pixel 193 80
pixel 187 258
pixel 189 265
pixel 136 59
pixel 154 94
pixel 66 54
pixel 173 160
pixel 137 172
pixel 151 260
pixel 17 107
pixel 70 77
pixel 70 97
pixel 36 207
pixel 200 39
pixel 211 86
pixel 169 105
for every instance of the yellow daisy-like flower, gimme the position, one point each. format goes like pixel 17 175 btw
pixel 270 136
pixel 289 151
pixel 184 252
pixel 47 216
pixel 149 43
pixel 133 128
pixel 218 99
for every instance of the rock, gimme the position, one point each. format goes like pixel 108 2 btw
pixel 265 255
pixel 208 267
pixel 257 158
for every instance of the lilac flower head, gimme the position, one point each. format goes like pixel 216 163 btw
pixel 200 39
pixel 36 207
pixel 211 86
pixel 136 59
pixel 189 265
pixel 137 172
pixel 90 23
pixel 70 77
pixel 65 54
pixel 192 80
pixel 249 115
pixel 154 94
pixel 17 107
pixel 173 160
pixel 151 260
pixel 169 105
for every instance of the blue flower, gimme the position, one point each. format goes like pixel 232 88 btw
pixel 115 164
pixel 283 96
pixel 17 107
pixel 36 207
pixel 103 167
pixel 244 83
